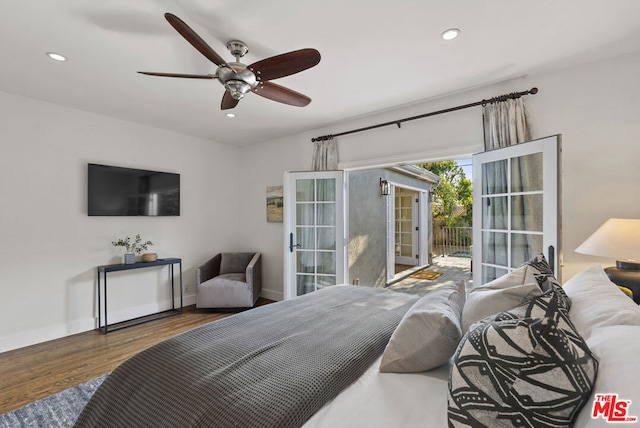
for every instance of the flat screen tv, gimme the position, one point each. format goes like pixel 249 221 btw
pixel 116 191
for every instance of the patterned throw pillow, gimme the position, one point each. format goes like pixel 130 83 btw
pixel 542 272
pixel 527 367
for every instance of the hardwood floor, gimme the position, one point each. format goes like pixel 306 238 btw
pixel 37 371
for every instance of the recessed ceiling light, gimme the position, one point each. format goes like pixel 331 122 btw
pixel 231 115
pixel 56 56
pixel 450 34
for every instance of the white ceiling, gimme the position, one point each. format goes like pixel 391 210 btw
pixel 376 54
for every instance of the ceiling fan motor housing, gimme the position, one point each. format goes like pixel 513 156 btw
pixel 237 79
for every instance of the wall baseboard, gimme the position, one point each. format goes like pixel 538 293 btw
pixel 272 295
pixel 35 336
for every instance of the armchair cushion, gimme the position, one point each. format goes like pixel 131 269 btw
pixel 229 280
pixel 235 262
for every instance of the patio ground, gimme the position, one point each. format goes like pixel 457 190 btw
pixel 453 269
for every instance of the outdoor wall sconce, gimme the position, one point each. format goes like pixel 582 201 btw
pixel 384 187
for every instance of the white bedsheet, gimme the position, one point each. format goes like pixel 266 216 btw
pixel 388 400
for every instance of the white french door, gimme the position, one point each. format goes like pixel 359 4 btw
pixel 515 207
pixel 406 226
pixel 314 231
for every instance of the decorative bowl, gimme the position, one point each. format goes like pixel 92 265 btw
pixel 149 257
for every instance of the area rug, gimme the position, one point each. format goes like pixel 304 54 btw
pixel 426 274
pixel 58 410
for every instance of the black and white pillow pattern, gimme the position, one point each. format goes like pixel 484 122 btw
pixel 527 367
pixel 542 272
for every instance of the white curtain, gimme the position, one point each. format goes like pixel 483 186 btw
pixel 505 124
pixel 325 156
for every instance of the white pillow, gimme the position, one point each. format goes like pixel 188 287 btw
pixel 499 295
pixel 428 334
pixel 617 349
pixel 598 302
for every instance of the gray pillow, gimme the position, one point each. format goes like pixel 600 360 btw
pixel 428 334
pixel 499 295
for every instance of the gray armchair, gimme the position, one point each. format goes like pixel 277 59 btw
pixel 229 280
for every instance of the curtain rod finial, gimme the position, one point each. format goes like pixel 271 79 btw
pixel 533 91
pixel 322 138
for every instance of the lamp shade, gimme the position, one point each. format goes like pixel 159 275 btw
pixel 617 238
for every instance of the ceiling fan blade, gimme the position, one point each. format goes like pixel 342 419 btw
pixel 228 102
pixel 285 64
pixel 193 38
pixel 186 76
pixel 281 94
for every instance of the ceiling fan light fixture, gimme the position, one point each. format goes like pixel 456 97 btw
pixel 450 34
pixel 237 88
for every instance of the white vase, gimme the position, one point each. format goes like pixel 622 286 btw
pixel 129 258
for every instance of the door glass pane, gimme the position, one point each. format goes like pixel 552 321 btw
pixel 327 238
pixel 495 212
pixel 489 273
pixel 305 214
pixel 326 189
pixel 526 173
pixel 326 281
pixel 524 246
pixel 495 250
pixel 305 262
pixel 526 212
pixel 406 238
pixel 304 284
pixel 326 263
pixel 305 238
pixel 494 177
pixel 304 189
pixel 326 214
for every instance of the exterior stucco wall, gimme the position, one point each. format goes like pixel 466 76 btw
pixel 367 244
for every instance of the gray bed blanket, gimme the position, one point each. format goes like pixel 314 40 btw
pixel 272 366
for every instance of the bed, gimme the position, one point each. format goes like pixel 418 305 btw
pixel 357 356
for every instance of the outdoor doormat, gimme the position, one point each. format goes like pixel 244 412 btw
pixel 426 274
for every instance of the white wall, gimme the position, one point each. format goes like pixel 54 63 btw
pixel 49 247
pixel 596 108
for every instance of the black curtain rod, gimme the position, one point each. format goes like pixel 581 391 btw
pixel 398 122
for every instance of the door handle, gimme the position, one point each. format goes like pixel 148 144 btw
pixel 291 244
pixel 552 258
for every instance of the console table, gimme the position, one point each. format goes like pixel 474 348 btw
pixel 104 270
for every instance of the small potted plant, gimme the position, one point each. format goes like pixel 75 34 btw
pixel 132 247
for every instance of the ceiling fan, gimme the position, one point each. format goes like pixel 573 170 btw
pixel 239 79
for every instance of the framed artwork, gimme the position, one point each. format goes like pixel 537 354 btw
pixel 274 204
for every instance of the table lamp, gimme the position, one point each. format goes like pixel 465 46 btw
pixel 619 239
